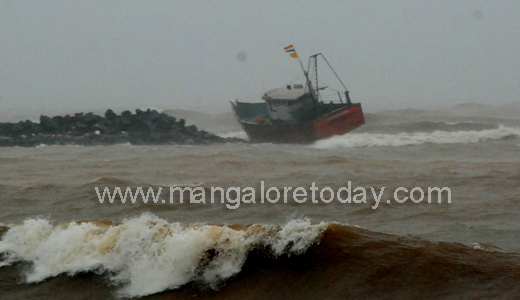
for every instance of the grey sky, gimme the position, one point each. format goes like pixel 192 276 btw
pixel 68 56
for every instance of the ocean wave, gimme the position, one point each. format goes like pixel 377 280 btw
pixel 234 134
pixel 146 254
pixel 110 180
pixel 424 127
pixel 352 140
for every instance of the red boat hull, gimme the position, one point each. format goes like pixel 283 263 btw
pixel 338 121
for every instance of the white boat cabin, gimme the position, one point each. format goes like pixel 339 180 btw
pixel 291 104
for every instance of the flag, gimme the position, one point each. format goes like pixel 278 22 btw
pixel 290 49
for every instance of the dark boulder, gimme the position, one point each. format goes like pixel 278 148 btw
pixel 48 124
pixel 153 115
pixel 191 130
pixel 59 121
pixel 110 115
pixel 89 118
pixel 126 114
pixel 80 129
pixel 126 120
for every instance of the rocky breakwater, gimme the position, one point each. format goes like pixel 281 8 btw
pixel 140 128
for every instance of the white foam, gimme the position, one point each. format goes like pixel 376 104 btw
pixel 485 247
pixel 457 123
pixel 352 140
pixel 234 134
pixel 147 254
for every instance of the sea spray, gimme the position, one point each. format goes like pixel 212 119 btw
pixel 147 254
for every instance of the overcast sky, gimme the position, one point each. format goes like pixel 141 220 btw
pixel 68 56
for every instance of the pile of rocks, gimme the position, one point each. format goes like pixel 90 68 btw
pixel 140 128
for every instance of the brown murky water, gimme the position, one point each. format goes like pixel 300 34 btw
pixel 463 249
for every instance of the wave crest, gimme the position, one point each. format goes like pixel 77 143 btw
pixel 353 140
pixel 146 254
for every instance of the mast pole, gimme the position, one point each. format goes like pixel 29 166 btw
pixel 306 73
pixel 346 91
pixel 309 85
pixel 290 49
pixel 317 86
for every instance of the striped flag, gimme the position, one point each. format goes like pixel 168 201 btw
pixel 290 49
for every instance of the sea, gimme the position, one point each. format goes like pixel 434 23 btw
pixel 415 204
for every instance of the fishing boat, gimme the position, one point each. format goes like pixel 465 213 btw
pixel 297 113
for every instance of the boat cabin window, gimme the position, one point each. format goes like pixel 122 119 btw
pixel 273 104
pixel 298 109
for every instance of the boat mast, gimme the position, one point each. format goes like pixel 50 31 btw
pixel 317 86
pixel 315 57
pixel 290 49
pixel 309 84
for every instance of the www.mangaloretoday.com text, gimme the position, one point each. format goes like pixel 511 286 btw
pixel 233 197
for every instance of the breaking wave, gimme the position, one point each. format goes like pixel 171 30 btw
pixel 146 254
pixel 415 138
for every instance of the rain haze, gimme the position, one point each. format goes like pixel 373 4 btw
pixel 126 172
pixel 60 57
